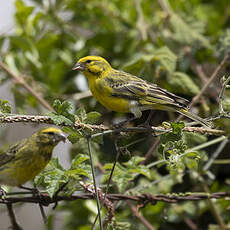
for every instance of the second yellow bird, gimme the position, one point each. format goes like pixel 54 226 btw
pixel 122 92
pixel 28 157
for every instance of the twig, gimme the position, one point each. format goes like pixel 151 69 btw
pixel 215 155
pixel 208 83
pixel 110 179
pixel 44 217
pixel 104 129
pixel 150 151
pixel 164 7
pixel 47 120
pixel 214 210
pixel 95 184
pixel 221 96
pixel 213 76
pixel 106 202
pixel 22 82
pixel 139 216
pixel 142 198
pixel 15 225
pixel 141 24
pixel 190 223
pixel 81 95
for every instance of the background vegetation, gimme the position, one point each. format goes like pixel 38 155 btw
pixel 180 45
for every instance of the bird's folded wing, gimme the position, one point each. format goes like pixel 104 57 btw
pixel 128 86
pixel 10 153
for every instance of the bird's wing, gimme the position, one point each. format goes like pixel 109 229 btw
pixel 11 152
pixel 162 96
pixel 125 85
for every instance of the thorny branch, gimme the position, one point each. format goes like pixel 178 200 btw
pixel 102 128
pixel 45 200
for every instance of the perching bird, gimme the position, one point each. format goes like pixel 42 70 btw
pixel 123 92
pixel 24 160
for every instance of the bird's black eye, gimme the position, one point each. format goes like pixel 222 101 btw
pixel 50 133
pixel 88 61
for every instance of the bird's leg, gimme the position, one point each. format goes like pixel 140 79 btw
pixel 147 122
pixel 34 191
pixel 57 193
pixel 2 193
pixel 122 123
pixel 15 225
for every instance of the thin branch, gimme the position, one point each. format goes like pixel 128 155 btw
pixel 141 24
pixel 104 201
pixel 215 154
pixel 22 82
pixel 104 129
pixel 15 225
pixel 81 95
pixel 221 96
pixel 146 198
pixel 110 179
pixel 140 217
pixel 150 151
pixel 214 210
pixel 47 120
pixel 164 7
pixel 208 83
pixel 211 79
pixel 95 184
pixel 190 223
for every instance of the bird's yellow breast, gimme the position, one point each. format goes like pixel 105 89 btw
pixel 104 95
pixel 18 172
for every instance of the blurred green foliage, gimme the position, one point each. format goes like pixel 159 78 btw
pixel 164 42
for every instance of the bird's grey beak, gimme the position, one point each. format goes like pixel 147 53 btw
pixel 79 66
pixel 61 137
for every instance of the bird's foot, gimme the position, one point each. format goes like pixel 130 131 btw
pixel 2 193
pixel 57 193
pixel 34 191
pixel 148 127
pixel 122 123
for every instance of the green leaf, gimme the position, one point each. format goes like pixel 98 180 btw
pixel 177 127
pixel 183 84
pixel 74 135
pixel 93 117
pixel 52 177
pixel 59 119
pixel 137 64
pixel 185 33
pixel 79 159
pixel 134 161
pixel 167 58
pixel 124 174
pixel 176 133
pixel 5 107
pixel 81 114
pixel 191 163
pixel 23 12
pixel 163 55
pixel 192 139
pixel 65 109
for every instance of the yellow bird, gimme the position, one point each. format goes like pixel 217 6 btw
pixel 123 92
pixel 27 158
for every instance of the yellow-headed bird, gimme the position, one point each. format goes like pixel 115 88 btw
pixel 26 159
pixel 123 92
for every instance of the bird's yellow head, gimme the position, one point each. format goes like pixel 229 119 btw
pixel 49 136
pixel 93 66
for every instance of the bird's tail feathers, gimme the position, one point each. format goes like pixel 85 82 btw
pixel 194 117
